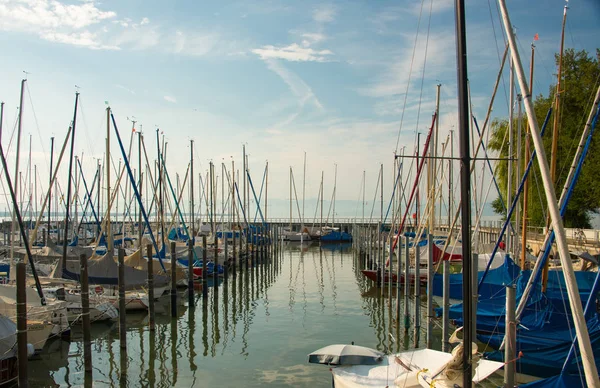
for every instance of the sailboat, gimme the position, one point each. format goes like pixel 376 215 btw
pixel 102 268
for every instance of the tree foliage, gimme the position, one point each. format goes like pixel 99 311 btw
pixel 580 79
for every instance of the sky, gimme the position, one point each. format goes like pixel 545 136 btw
pixel 348 83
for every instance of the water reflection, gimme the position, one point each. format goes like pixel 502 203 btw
pixel 271 312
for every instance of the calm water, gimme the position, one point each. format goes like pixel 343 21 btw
pixel 254 330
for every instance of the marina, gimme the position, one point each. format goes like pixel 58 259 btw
pixel 259 237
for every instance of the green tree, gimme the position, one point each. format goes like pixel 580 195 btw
pixel 580 80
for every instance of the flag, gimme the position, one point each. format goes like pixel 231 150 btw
pixel 536 37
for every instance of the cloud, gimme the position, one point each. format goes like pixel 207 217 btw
pixel 83 39
pixel 394 81
pixel 294 52
pixel 170 99
pixel 324 14
pixel 195 44
pixel 36 15
pixel 437 6
pixel 300 89
pixel 125 88
pixel 55 21
pixel 309 38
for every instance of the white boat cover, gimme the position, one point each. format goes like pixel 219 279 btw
pixel 392 373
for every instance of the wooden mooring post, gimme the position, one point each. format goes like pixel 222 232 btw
pixel 122 315
pixel 22 326
pixel 150 287
pixel 406 284
pixel 85 314
pixel 173 281
pixel 191 274
pixel 204 268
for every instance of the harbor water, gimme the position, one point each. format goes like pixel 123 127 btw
pixel 255 329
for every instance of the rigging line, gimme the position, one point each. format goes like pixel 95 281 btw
pixel 37 126
pixel 412 60
pixel 12 135
pixel 497 48
pixel 581 124
pixel 424 66
pixel 374 197
pixel 86 128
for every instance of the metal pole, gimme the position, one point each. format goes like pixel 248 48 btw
pixel 511 338
pixel 49 183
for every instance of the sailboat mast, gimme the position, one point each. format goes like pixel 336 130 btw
pixel 363 194
pixel 244 181
pixel 334 193
pixel 109 239
pixel 435 148
pixel 193 234
pixel 525 159
pixel 290 198
pixel 321 221
pixel 141 180
pixel 509 182
pixel 160 196
pixel 555 130
pixel 30 184
pixel 303 191
pixel 69 181
pixel 266 191
pixel 16 188
pixel 587 355
pixel 465 186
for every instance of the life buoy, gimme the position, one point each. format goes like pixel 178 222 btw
pixel 99 290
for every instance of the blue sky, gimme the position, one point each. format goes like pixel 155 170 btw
pixel 335 79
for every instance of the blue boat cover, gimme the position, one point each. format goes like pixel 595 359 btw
pixel 494 286
pixel 336 236
pixel 178 234
pixel 560 381
pixel 74 241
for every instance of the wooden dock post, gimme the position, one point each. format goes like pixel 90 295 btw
pixel 173 281
pixel 204 268
pixel 191 274
pixel 150 287
pixel 406 285
pixel 122 316
pixel 511 337
pixel 446 307
pixel 85 314
pixel 417 294
pixel 398 277
pixel 429 339
pixel 22 326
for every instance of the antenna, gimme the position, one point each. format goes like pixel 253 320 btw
pixel 26 73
